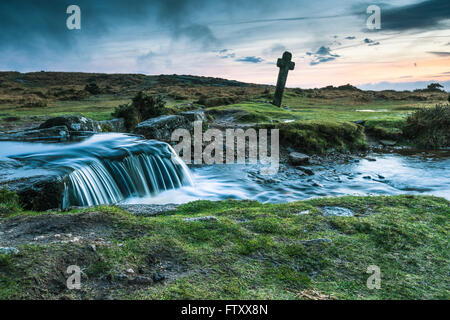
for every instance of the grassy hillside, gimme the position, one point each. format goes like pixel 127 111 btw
pixel 244 250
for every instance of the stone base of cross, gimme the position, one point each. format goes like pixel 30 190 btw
pixel 285 64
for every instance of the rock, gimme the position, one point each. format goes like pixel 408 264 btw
pixel 158 277
pixel 309 172
pixel 73 123
pixel 371 159
pixel 316 241
pixel 316 184
pixel 161 128
pixel 367 177
pixel 39 193
pixel 141 280
pixel 297 158
pixel 8 250
pixel 337 211
pixel 388 143
pixel 194 115
pixel 57 134
pixel 148 210
pixel 114 125
pixel 302 213
pixel 205 218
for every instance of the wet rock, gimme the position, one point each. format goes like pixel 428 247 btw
pixel 161 128
pixel 206 218
pixel 371 159
pixel 367 177
pixel 297 158
pixel 194 115
pixel 56 134
pixel 73 123
pixel 307 171
pixel 158 277
pixel 114 125
pixel 316 184
pixel 39 193
pixel 337 211
pixel 388 143
pixel 8 250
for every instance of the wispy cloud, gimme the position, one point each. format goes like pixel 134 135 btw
pixel 251 59
pixel 440 53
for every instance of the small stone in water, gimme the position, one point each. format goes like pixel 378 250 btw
pixel 158 277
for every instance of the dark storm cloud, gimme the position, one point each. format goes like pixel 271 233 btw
pixel 29 24
pixel 423 15
pixel 440 53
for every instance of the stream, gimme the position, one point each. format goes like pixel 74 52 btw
pixel 119 168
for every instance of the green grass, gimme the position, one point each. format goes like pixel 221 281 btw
pixel 253 251
pixel 96 108
pixel 312 136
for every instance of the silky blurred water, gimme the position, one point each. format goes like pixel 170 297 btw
pixel 390 174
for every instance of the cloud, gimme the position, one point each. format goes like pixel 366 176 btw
pixel 251 59
pixel 423 15
pixel 226 54
pixel 276 48
pixel 371 42
pixel 323 54
pixel 440 53
pixel 198 33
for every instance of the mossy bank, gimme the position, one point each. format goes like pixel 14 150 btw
pixel 233 250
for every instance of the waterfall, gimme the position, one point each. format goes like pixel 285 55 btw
pixel 110 181
pixel 109 168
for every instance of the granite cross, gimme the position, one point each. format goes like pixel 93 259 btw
pixel 285 64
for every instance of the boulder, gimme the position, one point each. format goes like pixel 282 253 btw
pixel 161 128
pixel 114 125
pixel 388 143
pixel 194 115
pixel 73 123
pixel 39 193
pixel 297 158
pixel 57 134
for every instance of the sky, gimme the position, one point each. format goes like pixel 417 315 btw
pixel 235 39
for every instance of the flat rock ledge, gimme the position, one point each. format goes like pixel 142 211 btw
pixel 148 210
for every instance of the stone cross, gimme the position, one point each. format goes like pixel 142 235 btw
pixel 285 64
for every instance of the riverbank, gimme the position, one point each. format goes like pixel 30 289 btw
pixel 232 250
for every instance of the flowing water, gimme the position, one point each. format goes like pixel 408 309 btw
pixel 112 168
pixel 104 169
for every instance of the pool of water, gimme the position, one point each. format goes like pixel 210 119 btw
pixel 389 174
